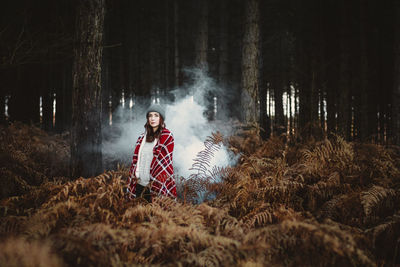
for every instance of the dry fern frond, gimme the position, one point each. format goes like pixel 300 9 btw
pixel 19 252
pixel 96 244
pixel 323 190
pixel 46 220
pixel 219 173
pixel 203 158
pixel 329 209
pixel 95 187
pixel 377 165
pixel 199 183
pixel 11 225
pixel 24 205
pixel 385 238
pixel 281 192
pixel 329 156
pixel 264 212
pixel 377 199
pixel 150 213
pixel 268 214
pixel 219 222
pixel 345 209
pixel 274 147
pixel 29 156
pixel 246 140
pixel 308 243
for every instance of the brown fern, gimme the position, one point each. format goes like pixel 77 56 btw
pixel 376 200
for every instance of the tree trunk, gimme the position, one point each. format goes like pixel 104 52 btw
pixel 344 78
pixel 116 88
pixel 331 56
pixel 4 76
pixel 264 131
pixel 305 80
pixel 296 107
pixel 155 63
pixel 24 101
pixel 176 48
pixel 331 77
pixel 304 101
pixel 291 114
pixel 105 72
pixel 2 108
pixel 362 114
pixel 322 62
pixel 222 100
pixel 127 51
pixel 142 75
pixel 33 94
pixel 250 64
pixel 396 88
pixel 331 109
pixel 314 91
pixel 279 126
pixel 321 108
pixel 86 141
pixel 223 45
pixel 47 109
pixel 47 97
pixel 61 98
pixel 308 54
pixel 167 49
pixel 202 36
pixel 278 82
pixel 373 76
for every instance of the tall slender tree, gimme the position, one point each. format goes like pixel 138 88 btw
pixel 167 48
pixel 250 63
pixel 223 44
pixel 222 99
pixel 47 96
pixel 2 100
pixel 201 45
pixel 176 42
pixel 344 116
pixel 396 88
pixel 278 85
pixel 362 111
pixel 307 62
pixel 332 65
pixel 86 138
pixel 63 98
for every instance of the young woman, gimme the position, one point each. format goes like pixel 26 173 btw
pixel 151 172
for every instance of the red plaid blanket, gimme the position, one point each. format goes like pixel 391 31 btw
pixel 162 181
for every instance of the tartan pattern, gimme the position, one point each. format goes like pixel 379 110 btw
pixel 162 181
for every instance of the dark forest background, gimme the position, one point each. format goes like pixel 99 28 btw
pixel 293 67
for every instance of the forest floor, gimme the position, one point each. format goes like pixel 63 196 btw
pixel 324 202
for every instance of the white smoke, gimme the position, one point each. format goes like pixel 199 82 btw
pixel 185 118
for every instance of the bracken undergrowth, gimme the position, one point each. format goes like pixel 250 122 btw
pixel 323 202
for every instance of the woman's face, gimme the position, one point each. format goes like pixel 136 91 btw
pixel 154 119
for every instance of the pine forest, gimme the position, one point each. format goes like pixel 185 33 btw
pixel 284 117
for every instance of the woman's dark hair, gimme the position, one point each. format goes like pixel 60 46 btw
pixel 150 134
